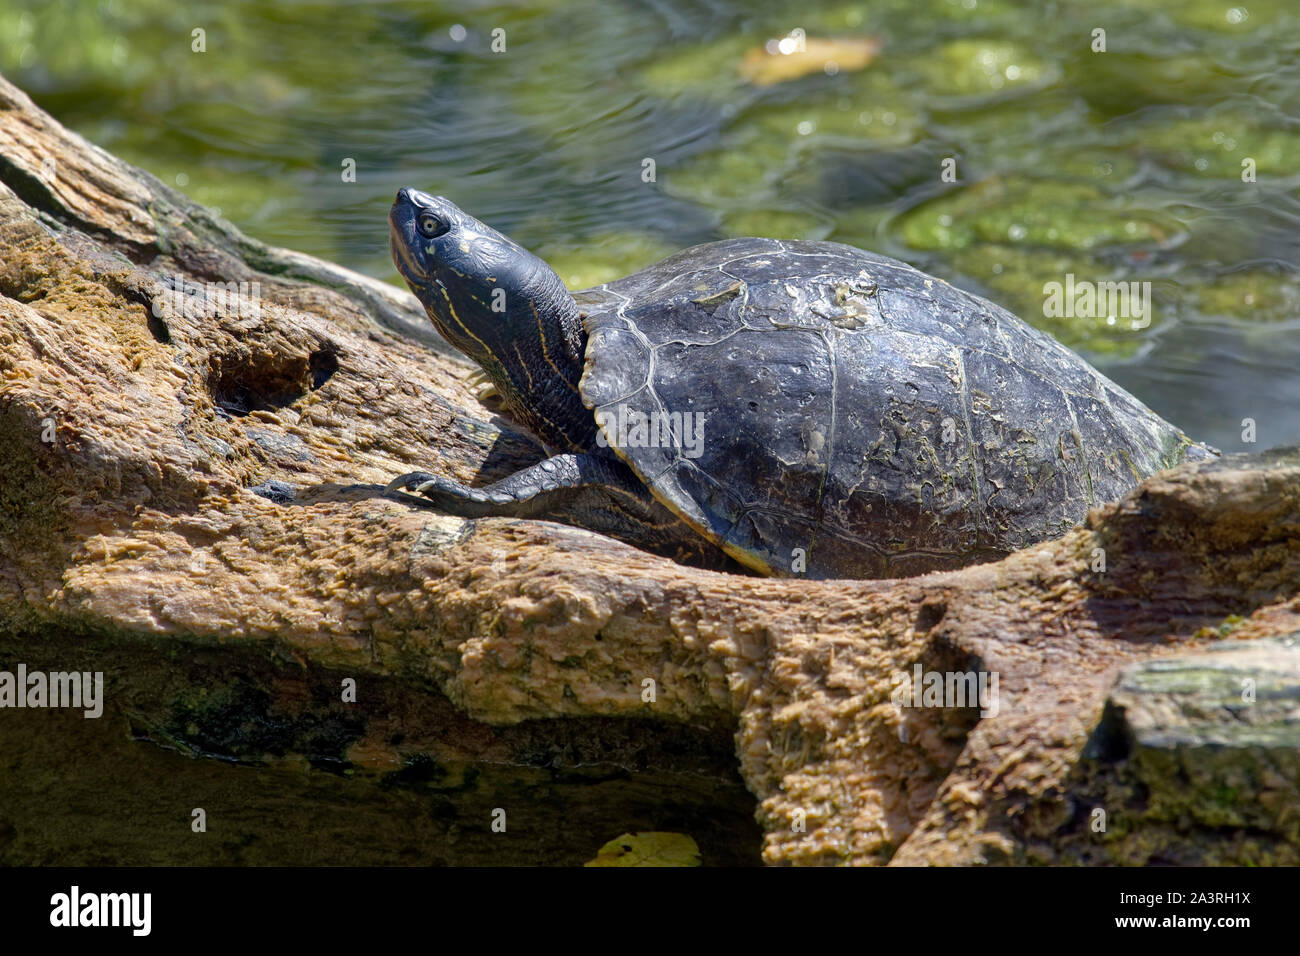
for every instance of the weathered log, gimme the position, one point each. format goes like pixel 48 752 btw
pixel 191 502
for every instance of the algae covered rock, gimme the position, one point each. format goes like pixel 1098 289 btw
pixel 1214 736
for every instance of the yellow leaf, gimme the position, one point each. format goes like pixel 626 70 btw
pixel 648 849
pixel 792 57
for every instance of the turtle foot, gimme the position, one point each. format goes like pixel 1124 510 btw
pixel 449 495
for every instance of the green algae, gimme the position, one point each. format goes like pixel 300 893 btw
pixel 1050 214
pixel 600 258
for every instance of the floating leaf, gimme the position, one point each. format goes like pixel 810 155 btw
pixel 648 849
pixel 794 56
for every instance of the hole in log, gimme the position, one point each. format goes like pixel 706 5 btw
pixel 931 614
pixel 243 381
pixel 158 329
pixel 1110 741
pixel 324 363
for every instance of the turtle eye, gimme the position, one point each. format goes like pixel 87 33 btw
pixel 431 225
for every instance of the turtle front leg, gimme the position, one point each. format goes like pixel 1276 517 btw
pixel 597 492
pixel 565 488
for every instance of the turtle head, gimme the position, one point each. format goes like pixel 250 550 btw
pixel 500 305
pixel 469 277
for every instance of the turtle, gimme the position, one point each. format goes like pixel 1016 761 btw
pixel 791 408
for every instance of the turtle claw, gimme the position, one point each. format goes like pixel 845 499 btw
pixel 446 494
pixel 480 385
pixel 426 488
pixel 415 481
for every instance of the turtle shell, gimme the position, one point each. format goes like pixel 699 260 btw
pixel 818 410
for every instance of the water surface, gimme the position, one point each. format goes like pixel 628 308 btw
pixel 1123 165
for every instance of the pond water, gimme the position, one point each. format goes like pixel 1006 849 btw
pixel 1130 164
